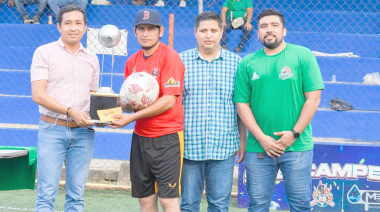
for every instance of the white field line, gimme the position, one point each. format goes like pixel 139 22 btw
pixel 21 209
pixel 16 209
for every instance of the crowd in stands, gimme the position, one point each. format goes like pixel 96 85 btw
pixel 159 3
pixel 235 14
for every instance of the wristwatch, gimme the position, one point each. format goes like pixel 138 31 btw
pixel 295 134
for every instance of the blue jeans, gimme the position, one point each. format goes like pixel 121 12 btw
pixel 56 5
pixel 218 175
pixel 261 176
pixel 245 37
pixel 41 5
pixel 56 145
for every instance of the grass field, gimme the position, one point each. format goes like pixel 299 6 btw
pixel 95 201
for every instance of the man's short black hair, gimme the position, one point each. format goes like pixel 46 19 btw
pixel 268 12
pixel 69 8
pixel 206 16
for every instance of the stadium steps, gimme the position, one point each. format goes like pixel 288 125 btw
pixel 361 96
pixel 301 16
pixel 17 51
pixel 17 82
pixel 350 125
pixel 347 69
pixel 107 140
pixel 343 31
pixel 357 125
pixel 22 110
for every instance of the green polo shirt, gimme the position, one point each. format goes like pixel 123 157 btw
pixel 275 86
pixel 238 8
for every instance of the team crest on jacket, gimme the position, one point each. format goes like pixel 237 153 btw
pixel 285 73
pixel 155 72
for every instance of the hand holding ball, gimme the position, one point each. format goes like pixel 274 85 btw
pixel 140 87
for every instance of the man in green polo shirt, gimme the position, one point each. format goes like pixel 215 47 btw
pixel 231 10
pixel 277 91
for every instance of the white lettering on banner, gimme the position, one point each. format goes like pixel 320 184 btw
pixel 349 172
pixel 338 171
pixel 374 173
pixel 359 170
pixel 323 171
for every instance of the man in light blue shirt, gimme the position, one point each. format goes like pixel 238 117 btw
pixel 211 122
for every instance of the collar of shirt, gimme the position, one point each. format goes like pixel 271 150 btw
pixel 81 48
pixel 220 54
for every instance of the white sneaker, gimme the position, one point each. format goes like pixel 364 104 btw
pixel 182 3
pixel 160 3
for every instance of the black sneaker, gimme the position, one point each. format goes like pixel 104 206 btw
pixel 224 47
pixel 238 49
pixel 36 19
pixel 27 19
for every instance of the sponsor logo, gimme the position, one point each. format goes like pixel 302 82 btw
pixel 285 73
pixel 322 195
pixel 172 185
pixel 156 72
pixel 369 198
pixel 172 83
pixel 255 76
pixel 349 171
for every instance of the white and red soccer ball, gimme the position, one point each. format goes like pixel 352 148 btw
pixel 140 87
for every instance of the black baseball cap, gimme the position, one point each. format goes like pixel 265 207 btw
pixel 148 16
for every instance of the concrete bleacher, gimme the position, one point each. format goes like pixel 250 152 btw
pixel 344 29
pixel 297 19
pixel 15 48
pixel 107 145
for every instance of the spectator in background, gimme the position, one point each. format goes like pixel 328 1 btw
pixel 55 5
pixel 233 9
pixel 160 3
pixel 41 5
pixel 11 3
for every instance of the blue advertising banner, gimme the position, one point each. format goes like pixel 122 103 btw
pixel 345 177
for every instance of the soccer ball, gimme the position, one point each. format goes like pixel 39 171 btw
pixel 140 87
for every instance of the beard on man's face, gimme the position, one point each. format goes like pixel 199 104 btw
pixel 272 44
